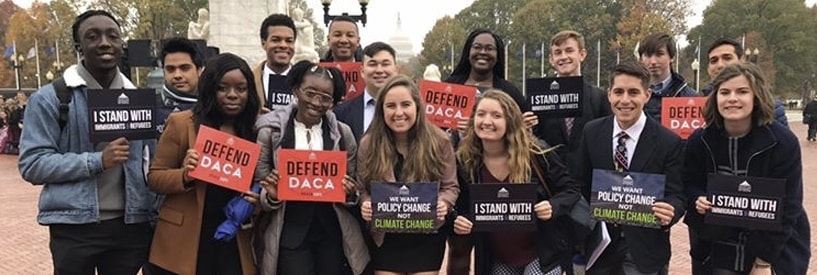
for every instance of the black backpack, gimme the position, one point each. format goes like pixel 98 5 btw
pixel 64 95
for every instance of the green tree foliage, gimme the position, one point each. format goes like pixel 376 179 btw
pixel 786 26
pixel 438 43
pixel 495 15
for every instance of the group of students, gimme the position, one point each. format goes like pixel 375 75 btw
pixel 99 199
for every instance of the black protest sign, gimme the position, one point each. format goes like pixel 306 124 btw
pixel 121 113
pixel 405 207
pixel 747 202
pixel 503 207
pixel 278 92
pixel 556 97
pixel 626 197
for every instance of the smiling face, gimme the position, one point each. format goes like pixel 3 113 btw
pixel 100 42
pixel 490 123
pixel 280 46
pixel 343 40
pixel 314 99
pixel 232 94
pixel 483 53
pixel 377 69
pixel 399 110
pixel 736 100
pixel 720 57
pixel 567 57
pixel 627 98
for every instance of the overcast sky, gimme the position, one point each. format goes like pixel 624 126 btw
pixel 418 16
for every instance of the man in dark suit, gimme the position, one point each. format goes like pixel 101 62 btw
pixel 648 148
pixel 378 66
pixel 567 52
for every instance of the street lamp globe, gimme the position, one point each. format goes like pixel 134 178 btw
pixel 364 2
pixel 696 65
pixel 757 51
pixel 49 75
pixel 326 2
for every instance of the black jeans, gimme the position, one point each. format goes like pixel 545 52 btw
pixel 812 128
pixel 109 247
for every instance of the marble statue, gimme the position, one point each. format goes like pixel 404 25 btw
pixel 305 41
pixel 432 73
pixel 200 29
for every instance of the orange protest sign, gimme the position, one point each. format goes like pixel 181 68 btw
pixel 225 160
pixel 352 75
pixel 447 103
pixel 683 115
pixel 311 175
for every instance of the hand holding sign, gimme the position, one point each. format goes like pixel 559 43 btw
pixel 349 185
pixel 190 162
pixel 442 210
pixel 270 183
pixel 115 153
pixel 463 226
pixel 366 210
pixel 530 119
pixel 702 205
pixel 544 211
pixel 664 212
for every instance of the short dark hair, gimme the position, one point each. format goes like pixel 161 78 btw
pixel 463 68
pixel 343 18
pixel 631 69
pixel 206 111
pixel 727 41
pixel 653 43
pixel 376 47
pixel 84 16
pixel 277 20
pixel 183 45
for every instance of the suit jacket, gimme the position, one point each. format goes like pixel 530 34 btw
pixel 554 132
pixel 178 229
pixel 258 73
pixel 659 151
pixel 351 113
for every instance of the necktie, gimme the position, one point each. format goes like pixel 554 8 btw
pixel 621 152
pixel 568 125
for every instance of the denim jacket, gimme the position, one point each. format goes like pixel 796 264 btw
pixel 66 164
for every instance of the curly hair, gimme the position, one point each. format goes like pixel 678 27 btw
pixel 425 140
pixel 519 142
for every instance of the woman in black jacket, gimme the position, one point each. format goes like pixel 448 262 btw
pixel 497 148
pixel 743 139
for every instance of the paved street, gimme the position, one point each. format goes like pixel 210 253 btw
pixel 24 246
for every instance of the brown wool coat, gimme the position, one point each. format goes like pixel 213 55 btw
pixel 178 229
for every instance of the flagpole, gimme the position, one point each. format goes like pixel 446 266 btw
pixel 16 65
pixel 37 57
pixel 524 68
pixel 598 63
pixel 506 59
pixel 542 55
pixel 698 72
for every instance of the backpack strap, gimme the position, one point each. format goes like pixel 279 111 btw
pixel 64 95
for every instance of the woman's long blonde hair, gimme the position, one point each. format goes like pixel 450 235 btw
pixel 425 141
pixel 519 141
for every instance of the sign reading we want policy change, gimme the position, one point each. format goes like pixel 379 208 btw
pixel 121 113
pixel 626 197
pixel 404 207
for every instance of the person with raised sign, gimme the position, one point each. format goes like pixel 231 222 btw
pixel 629 141
pixel 308 237
pixel 94 199
pixel 402 146
pixel 278 36
pixel 742 138
pixel 192 210
pixel 482 65
pixel 498 149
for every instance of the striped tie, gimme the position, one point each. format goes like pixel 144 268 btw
pixel 621 152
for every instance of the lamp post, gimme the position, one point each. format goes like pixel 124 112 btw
pixel 752 55
pixel 58 67
pixel 49 76
pixel 696 67
pixel 328 18
pixel 17 63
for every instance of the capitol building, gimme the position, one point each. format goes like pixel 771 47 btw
pixel 401 43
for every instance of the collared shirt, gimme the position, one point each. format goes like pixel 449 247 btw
pixel 368 109
pixel 265 79
pixel 660 87
pixel 315 141
pixel 634 133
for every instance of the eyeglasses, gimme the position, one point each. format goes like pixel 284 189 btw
pixel 311 95
pixel 479 47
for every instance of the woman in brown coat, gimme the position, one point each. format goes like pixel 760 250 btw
pixel 192 210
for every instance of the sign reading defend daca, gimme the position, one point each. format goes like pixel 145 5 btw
pixel 445 103
pixel 225 160
pixel 315 176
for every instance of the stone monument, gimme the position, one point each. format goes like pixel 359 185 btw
pixel 432 73
pixel 200 29
pixel 305 42
pixel 235 25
